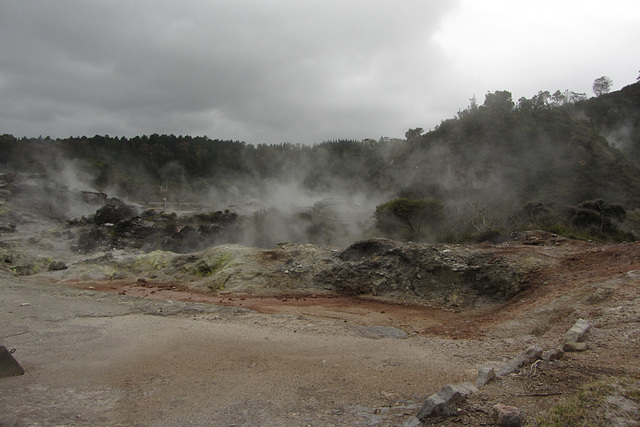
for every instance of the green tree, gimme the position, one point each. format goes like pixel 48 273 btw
pixel 559 98
pixel 599 214
pixel 499 101
pixel 602 85
pixel 535 211
pixel 413 134
pixel 408 217
pixel 7 145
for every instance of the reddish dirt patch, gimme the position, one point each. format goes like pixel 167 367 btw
pixel 411 318
pixel 569 267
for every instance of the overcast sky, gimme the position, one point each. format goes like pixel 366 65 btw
pixel 272 71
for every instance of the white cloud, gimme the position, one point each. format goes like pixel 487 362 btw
pixel 544 45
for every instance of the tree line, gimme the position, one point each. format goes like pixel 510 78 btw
pixel 495 166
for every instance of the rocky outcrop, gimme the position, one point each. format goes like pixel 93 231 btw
pixel 118 225
pixel 114 212
pixel 453 276
pixel 485 375
pixel 449 275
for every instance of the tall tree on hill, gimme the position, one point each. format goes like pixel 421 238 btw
pixel 602 85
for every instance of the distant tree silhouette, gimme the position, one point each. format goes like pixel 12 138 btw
pixel 411 215
pixel 602 85
pixel 599 214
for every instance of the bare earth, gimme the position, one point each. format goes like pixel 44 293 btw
pixel 145 354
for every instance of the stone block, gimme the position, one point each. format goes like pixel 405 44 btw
pixel 485 375
pixel 574 346
pixel 507 416
pixel 531 354
pixel 577 331
pixel 553 354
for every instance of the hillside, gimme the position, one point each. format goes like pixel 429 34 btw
pixel 485 165
pixel 498 167
pixel 533 152
pixel 617 116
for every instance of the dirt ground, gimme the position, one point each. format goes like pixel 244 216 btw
pixel 124 352
pixel 98 359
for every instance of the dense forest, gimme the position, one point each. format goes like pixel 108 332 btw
pixel 559 162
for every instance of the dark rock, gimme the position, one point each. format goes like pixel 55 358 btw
pixel 9 367
pixel 531 354
pixel 10 228
pixel 113 212
pixel 92 239
pixel 135 228
pixel 366 248
pixel 385 268
pixel 507 416
pixel 93 197
pixel 207 230
pixel 485 375
pixel 446 401
pixel 57 266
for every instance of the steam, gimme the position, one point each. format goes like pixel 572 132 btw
pixel 479 190
pixel 483 166
pixel 284 211
pixel 621 137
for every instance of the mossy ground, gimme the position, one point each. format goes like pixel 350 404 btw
pixel 595 404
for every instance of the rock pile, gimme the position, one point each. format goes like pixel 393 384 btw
pixel 118 225
pixel 446 401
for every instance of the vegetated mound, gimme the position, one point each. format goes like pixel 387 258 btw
pixel 450 275
pixel 456 276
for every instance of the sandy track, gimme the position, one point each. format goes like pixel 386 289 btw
pixel 98 359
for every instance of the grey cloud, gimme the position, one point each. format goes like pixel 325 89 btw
pixel 287 70
pixel 297 71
